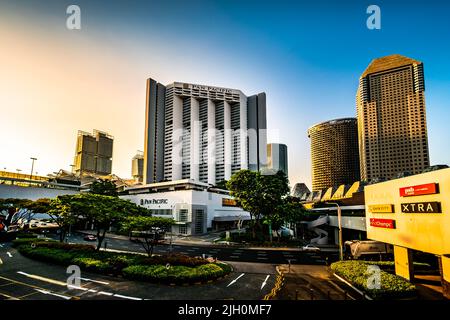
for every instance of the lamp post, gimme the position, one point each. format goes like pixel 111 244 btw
pixel 32 166
pixel 341 251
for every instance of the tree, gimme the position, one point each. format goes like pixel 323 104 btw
pixel 148 230
pixel 260 195
pixel 13 206
pixel 104 187
pixel 222 184
pixel 61 213
pixel 103 211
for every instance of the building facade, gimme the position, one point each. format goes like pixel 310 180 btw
pixel 137 167
pixel 93 153
pixel 334 153
pixel 392 128
pixel 277 157
pixel 195 206
pixel 202 133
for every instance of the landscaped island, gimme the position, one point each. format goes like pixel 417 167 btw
pixel 166 269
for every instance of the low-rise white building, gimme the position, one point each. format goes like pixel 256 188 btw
pixel 195 206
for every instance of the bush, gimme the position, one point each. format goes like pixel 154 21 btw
pixel 175 274
pixel 27 235
pixel 175 260
pixel 29 241
pixel 65 246
pixel 94 265
pixel 357 272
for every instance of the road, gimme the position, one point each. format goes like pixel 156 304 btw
pixel 261 255
pixel 26 279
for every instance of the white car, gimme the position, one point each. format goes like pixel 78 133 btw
pixel 310 248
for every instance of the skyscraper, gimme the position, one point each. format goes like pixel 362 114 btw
pixel 137 167
pixel 277 157
pixel 93 153
pixel 392 128
pixel 334 153
pixel 202 133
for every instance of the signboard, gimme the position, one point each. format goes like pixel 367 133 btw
pixel 421 207
pixel 423 189
pixel 229 202
pixel 154 201
pixel 382 223
pixel 381 208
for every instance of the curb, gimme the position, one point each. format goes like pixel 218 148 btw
pixel 363 294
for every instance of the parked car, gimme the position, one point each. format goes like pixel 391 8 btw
pixel 90 237
pixel 310 248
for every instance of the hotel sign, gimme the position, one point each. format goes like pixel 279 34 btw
pixel 382 223
pixel 229 202
pixel 213 89
pixel 381 208
pixel 423 189
pixel 154 201
pixel 422 207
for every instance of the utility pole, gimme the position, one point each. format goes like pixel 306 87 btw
pixel 339 213
pixel 32 167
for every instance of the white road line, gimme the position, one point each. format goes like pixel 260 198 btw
pixel 9 254
pixel 96 281
pixel 53 294
pixel 265 281
pixel 242 274
pixel 126 297
pixel 261 258
pixel 1 261
pixel 106 293
pixel 1 246
pixel 32 276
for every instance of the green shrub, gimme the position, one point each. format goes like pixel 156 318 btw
pixel 175 260
pixel 357 272
pixel 29 241
pixel 65 246
pixel 27 235
pixel 94 265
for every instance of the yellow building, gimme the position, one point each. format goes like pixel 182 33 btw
pixel 412 213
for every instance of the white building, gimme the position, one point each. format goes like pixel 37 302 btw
pixel 195 206
pixel 202 133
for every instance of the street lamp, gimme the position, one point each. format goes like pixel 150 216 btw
pixel 341 252
pixel 32 166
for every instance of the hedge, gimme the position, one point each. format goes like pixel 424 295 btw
pixel 174 274
pixel 358 273
pixel 181 269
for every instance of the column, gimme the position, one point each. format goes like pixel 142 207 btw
pixel 211 142
pixel 177 138
pixel 195 141
pixel 403 263
pixel 227 139
pixel 243 131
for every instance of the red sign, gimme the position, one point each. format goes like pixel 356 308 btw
pixel 382 223
pixel 429 188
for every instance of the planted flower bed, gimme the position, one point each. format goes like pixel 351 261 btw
pixel 169 269
pixel 358 273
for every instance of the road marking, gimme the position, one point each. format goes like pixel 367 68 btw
pixel 8 296
pixel 32 276
pixel 1 246
pixel 9 254
pixel 53 294
pixel 96 281
pixel 106 293
pixel 262 258
pixel 1 261
pixel 127 297
pixel 265 281
pixel 242 274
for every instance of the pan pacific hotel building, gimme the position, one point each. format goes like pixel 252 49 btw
pixel 196 137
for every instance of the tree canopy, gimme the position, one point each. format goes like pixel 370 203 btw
pixel 104 187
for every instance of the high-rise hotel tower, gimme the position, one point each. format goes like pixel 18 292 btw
pixel 392 127
pixel 202 133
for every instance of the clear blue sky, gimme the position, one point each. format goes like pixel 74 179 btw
pixel 307 57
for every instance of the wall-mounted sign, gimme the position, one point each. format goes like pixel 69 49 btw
pixel 423 189
pixel 153 201
pixel 381 208
pixel 382 223
pixel 421 207
pixel 229 202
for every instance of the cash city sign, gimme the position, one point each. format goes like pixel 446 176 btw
pixel 381 208
pixel 420 190
pixel 421 207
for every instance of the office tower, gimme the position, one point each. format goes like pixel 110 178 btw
pixel 392 128
pixel 202 133
pixel 334 153
pixel 277 157
pixel 137 167
pixel 93 154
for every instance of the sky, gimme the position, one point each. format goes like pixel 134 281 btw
pixel 306 56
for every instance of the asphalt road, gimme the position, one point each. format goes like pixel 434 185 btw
pixel 26 279
pixel 261 255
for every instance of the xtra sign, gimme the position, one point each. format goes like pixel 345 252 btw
pixel 423 189
pixel 382 223
pixel 421 207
